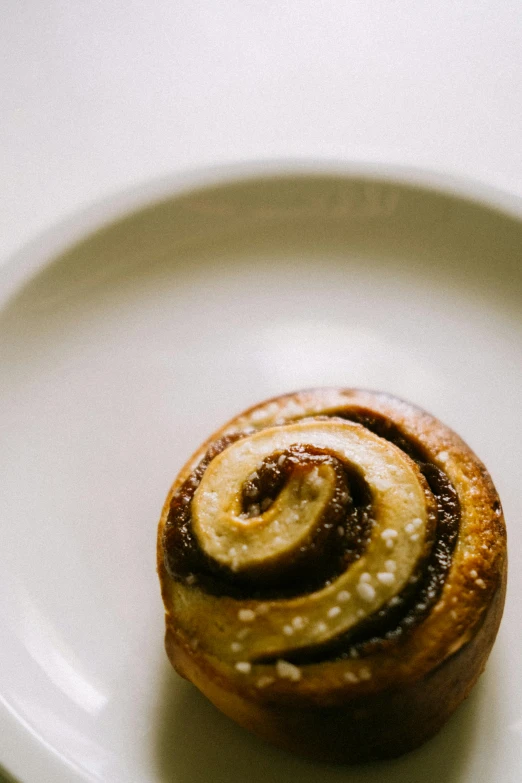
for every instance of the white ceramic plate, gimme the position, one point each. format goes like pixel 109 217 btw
pixel 130 333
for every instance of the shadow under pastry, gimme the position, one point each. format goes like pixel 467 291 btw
pixel 195 743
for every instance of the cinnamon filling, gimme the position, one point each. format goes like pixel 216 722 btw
pixel 339 539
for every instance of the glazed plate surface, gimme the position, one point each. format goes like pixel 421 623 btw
pixel 127 336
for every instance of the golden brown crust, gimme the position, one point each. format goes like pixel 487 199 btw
pixel 334 712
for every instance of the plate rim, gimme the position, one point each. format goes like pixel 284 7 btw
pixel 27 756
pixel 79 224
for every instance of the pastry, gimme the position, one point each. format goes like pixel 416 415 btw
pixel 333 570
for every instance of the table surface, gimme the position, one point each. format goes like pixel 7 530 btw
pixel 97 97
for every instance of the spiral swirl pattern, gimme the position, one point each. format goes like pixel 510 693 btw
pixel 323 546
pixel 246 544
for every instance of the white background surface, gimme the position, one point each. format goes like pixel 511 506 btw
pixel 98 96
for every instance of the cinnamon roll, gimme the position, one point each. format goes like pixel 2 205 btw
pixel 333 569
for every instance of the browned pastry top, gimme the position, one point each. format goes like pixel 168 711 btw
pixel 328 544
